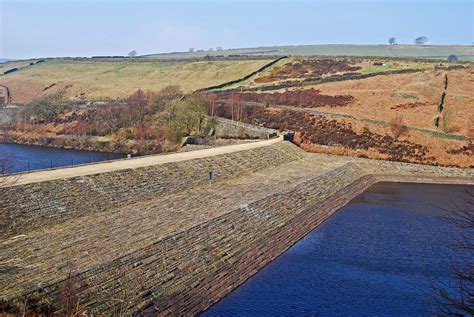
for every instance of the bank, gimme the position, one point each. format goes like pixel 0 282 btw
pixel 188 238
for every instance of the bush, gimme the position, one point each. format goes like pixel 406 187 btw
pixel 397 127
pixel 452 58
pixel 46 109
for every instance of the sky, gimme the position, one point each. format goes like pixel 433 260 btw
pixel 41 28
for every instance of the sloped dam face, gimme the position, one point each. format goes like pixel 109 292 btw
pixel 189 242
pixel 382 254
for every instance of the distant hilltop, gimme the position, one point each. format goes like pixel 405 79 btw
pixel 463 52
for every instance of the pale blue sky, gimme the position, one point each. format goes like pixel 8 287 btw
pixel 41 28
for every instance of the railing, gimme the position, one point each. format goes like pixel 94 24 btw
pixel 36 165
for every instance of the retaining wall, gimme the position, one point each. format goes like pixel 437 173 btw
pixel 234 129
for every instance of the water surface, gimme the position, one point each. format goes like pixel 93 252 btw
pixel 378 256
pixel 22 158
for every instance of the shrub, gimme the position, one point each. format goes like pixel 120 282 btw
pixel 452 58
pixel 119 139
pixel 47 108
pixel 397 127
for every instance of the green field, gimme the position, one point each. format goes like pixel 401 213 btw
pixel 111 79
pixel 465 53
pixel 107 78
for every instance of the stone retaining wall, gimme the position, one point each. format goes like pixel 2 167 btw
pixel 234 129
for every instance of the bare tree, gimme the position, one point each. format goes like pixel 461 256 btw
pixel 132 54
pixel 211 99
pixel 458 299
pixel 392 41
pixel 421 40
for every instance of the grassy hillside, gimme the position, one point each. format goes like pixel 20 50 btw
pixel 110 79
pixel 426 51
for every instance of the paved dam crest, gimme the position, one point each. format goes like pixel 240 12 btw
pixel 138 162
pixel 189 242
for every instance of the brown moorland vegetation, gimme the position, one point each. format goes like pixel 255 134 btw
pixel 415 96
pixel 408 105
pixel 319 130
pixel 304 98
pixel 350 137
pixel 309 68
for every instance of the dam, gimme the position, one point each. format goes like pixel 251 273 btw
pixel 160 235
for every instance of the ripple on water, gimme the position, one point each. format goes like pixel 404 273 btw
pixel 376 256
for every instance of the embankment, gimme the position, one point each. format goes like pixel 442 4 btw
pixel 43 203
pixel 176 241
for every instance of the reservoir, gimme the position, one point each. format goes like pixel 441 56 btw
pixel 380 255
pixel 23 158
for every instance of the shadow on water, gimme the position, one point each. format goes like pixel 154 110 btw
pixel 377 256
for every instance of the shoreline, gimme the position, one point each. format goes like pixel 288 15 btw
pixel 61 143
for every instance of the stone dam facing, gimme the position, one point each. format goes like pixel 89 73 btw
pixel 177 242
pixel 379 255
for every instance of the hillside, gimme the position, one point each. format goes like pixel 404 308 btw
pixel 88 79
pixel 378 108
pixel 382 108
pixel 465 53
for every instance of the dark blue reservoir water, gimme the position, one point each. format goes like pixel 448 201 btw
pixel 21 158
pixel 378 256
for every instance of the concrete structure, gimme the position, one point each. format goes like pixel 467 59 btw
pixel 156 230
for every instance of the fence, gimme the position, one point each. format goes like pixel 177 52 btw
pixel 18 166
